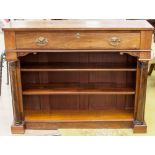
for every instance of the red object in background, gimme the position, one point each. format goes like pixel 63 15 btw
pixel 3 22
pixel 6 21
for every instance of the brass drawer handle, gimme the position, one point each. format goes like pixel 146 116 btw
pixel 115 41
pixel 41 41
pixel 77 35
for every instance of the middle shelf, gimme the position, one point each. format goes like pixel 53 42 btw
pixel 76 89
pixel 70 66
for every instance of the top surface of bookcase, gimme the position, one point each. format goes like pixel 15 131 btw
pixel 78 25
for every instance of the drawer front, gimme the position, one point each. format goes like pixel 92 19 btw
pixel 77 40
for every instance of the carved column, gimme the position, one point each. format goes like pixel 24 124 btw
pixel 16 90
pixel 141 83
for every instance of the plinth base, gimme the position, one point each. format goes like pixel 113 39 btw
pixel 18 129
pixel 140 128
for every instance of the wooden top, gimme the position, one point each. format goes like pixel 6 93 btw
pixel 33 25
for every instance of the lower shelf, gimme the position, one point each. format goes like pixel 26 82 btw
pixel 79 119
pixel 78 115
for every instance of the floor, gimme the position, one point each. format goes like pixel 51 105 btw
pixel 6 116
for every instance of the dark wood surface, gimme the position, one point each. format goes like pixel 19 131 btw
pixel 15 79
pixel 77 102
pixel 83 90
pixel 84 61
pixel 73 81
pixel 44 67
pixel 142 70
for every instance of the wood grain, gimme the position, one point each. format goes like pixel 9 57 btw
pixel 10 43
pixel 141 91
pixel 140 128
pixel 80 78
pixel 78 125
pixel 81 115
pixel 79 119
pixel 48 25
pixel 55 67
pixel 78 102
pixel 84 40
pixel 77 91
pixel 146 39
pixel 16 90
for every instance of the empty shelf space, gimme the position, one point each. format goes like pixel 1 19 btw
pixel 68 89
pixel 77 67
pixel 79 115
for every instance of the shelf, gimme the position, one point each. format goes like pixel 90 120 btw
pixel 79 115
pixel 77 67
pixel 66 89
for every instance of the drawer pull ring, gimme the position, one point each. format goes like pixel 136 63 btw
pixel 115 41
pixel 41 41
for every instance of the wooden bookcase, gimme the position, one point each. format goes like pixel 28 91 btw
pixel 66 79
pixel 78 86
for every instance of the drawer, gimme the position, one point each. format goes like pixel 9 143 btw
pixel 78 40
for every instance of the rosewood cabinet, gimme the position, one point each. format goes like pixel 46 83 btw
pixel 78 73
